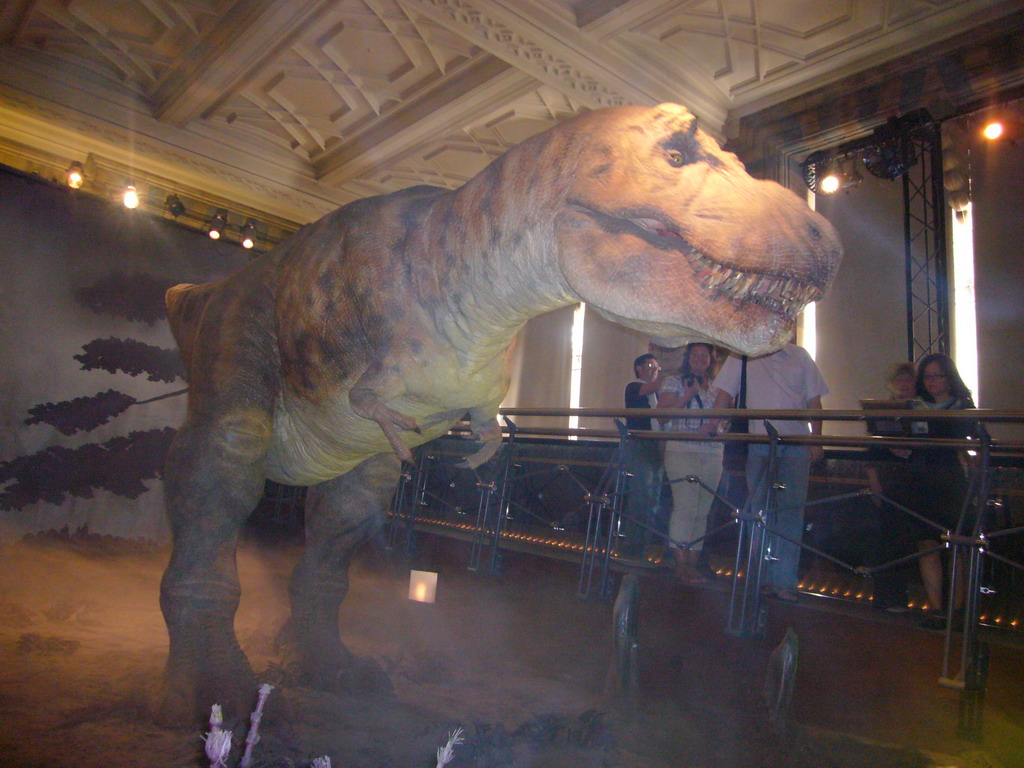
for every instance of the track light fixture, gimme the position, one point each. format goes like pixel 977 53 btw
pixel 217 224
pixel 174 205
pixel 76 175
pixel 131 197
pixel 248 236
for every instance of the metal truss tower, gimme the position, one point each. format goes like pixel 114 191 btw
pixel 924 227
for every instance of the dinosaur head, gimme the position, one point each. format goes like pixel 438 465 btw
pixel 665 232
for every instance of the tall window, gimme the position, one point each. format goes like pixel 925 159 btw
pixel 808 328
pixel 575 371
pixel 965 329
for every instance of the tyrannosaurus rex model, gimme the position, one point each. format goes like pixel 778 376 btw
pixel 375 329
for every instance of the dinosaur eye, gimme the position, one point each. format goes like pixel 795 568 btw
pixel 676 159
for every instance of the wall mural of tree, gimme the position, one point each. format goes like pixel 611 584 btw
pixel 91 386
pixel 120 465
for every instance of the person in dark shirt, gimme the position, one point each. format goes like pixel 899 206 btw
pixel 642 459
pixel 940 483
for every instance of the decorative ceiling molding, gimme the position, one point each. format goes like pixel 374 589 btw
pixel 455 104
pixel 529 48
pixel 295 108
pixel 241 42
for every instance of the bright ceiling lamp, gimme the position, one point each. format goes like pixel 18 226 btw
pixel 1002 128
pixel 248 239
pixel 76 175
pixel 131 197
pixel 217 224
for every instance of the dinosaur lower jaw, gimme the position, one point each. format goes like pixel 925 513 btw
pixel 777 293
pixel 781 294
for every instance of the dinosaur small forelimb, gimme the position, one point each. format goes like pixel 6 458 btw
pixel 490 435
pixel 366 404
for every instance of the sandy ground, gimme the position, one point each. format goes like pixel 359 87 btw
pixel 521 663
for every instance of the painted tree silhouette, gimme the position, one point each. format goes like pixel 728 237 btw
pixel 120 465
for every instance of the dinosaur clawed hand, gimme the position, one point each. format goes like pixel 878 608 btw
pixel 490 435
pixel 390 422
pixel 369 406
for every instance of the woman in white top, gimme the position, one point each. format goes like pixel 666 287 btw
pixel 692 390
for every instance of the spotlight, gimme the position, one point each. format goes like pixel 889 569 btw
pixel 993 130
pixel 248 234
pixel 76 175
pixel 1002 128
pixel 891 159
pixel 816 168
pixel 826 175
pixel 829 184
pixel 217 224
pixel 174 205
pixel 131 197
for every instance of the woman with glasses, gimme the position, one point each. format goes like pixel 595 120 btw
pixel 691 390
pixel 941 482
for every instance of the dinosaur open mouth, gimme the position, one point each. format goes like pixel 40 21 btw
pixel 778 293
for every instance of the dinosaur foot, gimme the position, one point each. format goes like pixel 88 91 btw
pixel 189 694
pixel 361 676
pixel 320 660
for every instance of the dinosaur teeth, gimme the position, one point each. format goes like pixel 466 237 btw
pixel 785 295
pixel 716 279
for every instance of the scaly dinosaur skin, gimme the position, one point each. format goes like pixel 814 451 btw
pixel 376 328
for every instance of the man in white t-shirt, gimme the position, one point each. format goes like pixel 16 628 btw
pixel 788 380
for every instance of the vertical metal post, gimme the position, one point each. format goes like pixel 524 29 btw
pixel 597 504
pixel 399 504
pixel 503 496
pixel 974 661
pixel 747 619
pixel 421 473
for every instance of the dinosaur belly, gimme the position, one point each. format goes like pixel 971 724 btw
pixel 312 444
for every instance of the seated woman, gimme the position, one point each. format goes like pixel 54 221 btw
pixel 938 479
pixel 691 390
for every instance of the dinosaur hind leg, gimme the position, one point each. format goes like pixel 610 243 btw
pixel 213 480
pixel 341 514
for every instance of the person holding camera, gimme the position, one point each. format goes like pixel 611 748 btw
pixel 691 390
pixel 642 460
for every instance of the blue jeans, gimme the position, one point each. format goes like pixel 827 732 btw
pixel 793 467
pixel 642 460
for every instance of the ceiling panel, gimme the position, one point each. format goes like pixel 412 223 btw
pixel 302 106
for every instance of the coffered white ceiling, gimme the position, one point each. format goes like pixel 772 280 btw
pixel 288 108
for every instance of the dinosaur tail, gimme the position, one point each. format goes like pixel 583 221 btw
pixel 186 304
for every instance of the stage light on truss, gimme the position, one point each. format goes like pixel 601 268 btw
pixel 830 183
pixel 890 159
pixel 217 224
pixel 249 234
pixel 131 197
pixel 174 205
pixel 816 168
pixel 76 175
pixel 826 174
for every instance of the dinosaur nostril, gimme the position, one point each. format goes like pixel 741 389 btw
pixel 814 232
